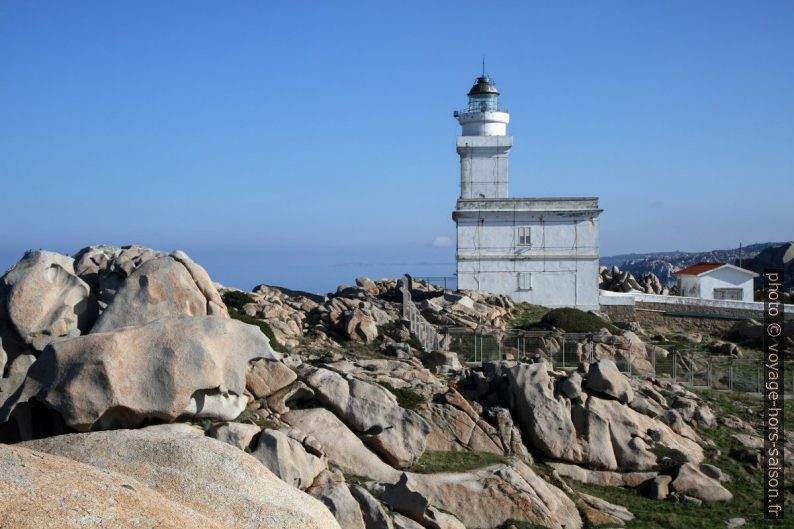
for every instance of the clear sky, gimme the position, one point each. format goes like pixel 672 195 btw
pixel 305 143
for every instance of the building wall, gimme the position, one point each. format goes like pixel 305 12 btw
pixel 483 166
pixel 558 268
pixel 703 286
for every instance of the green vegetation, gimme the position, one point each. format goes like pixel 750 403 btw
pixel 235 299
pixel 526 315
pixel 263 326
pixel 406 397
pixel 668 458
pixel 432 462
pixel 575 320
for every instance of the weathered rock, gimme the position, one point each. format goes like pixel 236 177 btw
pixel 162 287
pixel 705 416
pixel 733 523
pixel 692 482
pixel 659 487
pixel 296 392
pixel 343 448
pixel 204 475
pixel 237 434
pixel 604 478
pixel 571 386
pixel 360 326
pixel 288 459
pixel 713 472
pixel 619 437
pixel 373 513
pixel 487 497
pixel 43 491
pixel 600 512
pixel 599 432
pixel 161 370
pixel 545 418
pixel 265 377
pixel 403 522
pixel 442 362
pixel 405 499
pixel 603 377
pixel 453 430
pixel 400 350
pixel 43 299
pixel 399 435
pixel 331 489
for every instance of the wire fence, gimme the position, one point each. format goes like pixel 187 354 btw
pixel 694 368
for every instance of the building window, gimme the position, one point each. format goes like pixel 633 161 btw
pixel 523 236
pixel 733 294
pixel 525 281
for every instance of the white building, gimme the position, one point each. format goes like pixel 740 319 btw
pixel 716 281
pixel 537 250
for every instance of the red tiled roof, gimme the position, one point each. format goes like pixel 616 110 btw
pixel 697 269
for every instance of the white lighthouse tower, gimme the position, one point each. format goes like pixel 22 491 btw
pixel 537 250
pixel 484 144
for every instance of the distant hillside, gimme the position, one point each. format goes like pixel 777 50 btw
pixel 664 264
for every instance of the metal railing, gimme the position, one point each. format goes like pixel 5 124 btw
pixel 694 368
pixel 423 330
pixel 445 282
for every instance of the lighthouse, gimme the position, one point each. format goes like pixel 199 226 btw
pixel 541 250
pixel 483 145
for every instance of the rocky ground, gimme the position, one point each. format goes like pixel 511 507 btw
pixel 135 392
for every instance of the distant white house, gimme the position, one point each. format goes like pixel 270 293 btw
pixel 716 281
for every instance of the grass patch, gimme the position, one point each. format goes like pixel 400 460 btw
pixel 575 320
pixel 432 462
pixel 263 326
pixel 406 397
pixel 235 299
pixel 526 315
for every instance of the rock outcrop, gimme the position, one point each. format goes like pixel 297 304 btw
pixel 397 434
pixel 161 370
pixel 207 477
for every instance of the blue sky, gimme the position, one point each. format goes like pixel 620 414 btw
pixel 305 143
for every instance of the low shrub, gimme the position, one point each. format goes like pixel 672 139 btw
pixel 235 299
pixel 406 397
pixel 575 320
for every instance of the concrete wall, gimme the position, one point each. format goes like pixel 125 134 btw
pixel 483 166
pixel 669 311
pixel 558 268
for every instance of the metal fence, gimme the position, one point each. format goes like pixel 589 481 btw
pixel 423 330
pixel 445 282
pixel 567 350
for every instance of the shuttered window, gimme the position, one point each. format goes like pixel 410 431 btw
pixel 523 236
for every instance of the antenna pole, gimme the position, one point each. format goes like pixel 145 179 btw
pixel 483 65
